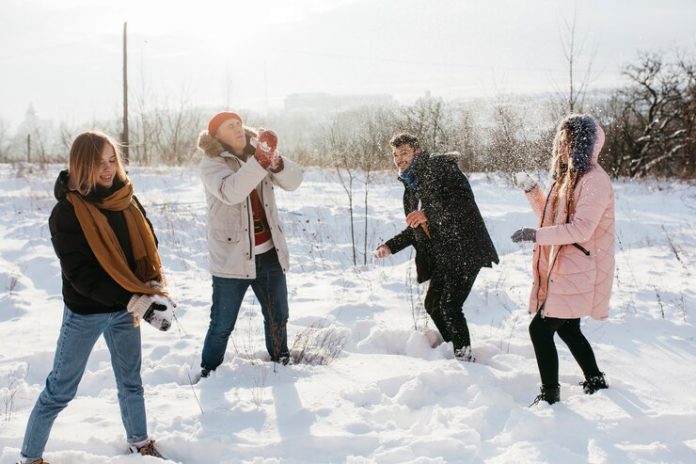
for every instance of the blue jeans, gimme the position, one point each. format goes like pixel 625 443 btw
pixel 78 334
pixel 271 291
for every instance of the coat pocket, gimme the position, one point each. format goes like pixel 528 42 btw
pixel 223 245
pixel 226 235
pixel 574 272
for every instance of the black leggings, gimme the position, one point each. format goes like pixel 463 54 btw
pixel 542 330
pixel 443 302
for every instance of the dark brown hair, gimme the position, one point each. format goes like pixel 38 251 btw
pixel 404 138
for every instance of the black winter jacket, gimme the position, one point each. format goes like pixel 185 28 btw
pixel 87 288
pixel 459 239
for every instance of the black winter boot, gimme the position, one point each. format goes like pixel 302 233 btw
pixel 549 394
pixel 594 383
pixel 465 354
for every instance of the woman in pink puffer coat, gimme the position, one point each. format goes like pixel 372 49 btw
pixel 573 261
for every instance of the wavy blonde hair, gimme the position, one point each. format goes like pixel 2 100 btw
pixel 85 156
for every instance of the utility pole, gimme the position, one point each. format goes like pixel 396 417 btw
pixel 124 134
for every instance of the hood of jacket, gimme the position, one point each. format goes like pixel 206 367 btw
pixel 212 147
pixel 588 143
pixel 60 188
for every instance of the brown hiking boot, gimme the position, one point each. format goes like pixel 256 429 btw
pixel 38 461
pixel 148 449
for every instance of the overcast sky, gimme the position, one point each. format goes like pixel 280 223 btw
pixel 64 57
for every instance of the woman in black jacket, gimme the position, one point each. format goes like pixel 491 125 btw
pixel 111 279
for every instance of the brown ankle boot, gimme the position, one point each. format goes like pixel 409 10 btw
pixel 148 449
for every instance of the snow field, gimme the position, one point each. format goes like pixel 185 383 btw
pixel 393 393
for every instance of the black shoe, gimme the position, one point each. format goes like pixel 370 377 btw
pixel 283 359
pixel 464 354
pixel 594 383
pixel 549 394
pixel 195 377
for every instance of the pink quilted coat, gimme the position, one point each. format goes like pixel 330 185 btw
pixel 568 281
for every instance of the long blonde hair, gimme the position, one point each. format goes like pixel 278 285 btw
pixel 576 134
pixel 85 156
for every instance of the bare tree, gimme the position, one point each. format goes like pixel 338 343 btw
pixel 653 127
pixel 372 154
pixel 515 144
pixel 356 143
pixel 339 148
pixel 467 140
pixel 125 133
pixel 572 51
pixel 4 141
pixel 142 143
pixel 431 120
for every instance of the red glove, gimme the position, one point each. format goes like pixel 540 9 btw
pixel 266 144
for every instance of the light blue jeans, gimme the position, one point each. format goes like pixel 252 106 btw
pixel 78 334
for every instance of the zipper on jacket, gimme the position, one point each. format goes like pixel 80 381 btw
pixel 555 257
pixel 541 224
pixel 250 218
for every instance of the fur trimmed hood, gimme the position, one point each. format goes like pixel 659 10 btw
pixel 212 147
pixel 589 140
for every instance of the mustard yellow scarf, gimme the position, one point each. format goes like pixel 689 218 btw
pixel 106 247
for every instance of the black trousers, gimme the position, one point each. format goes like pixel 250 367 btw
pixel 446 295
pixel 542 330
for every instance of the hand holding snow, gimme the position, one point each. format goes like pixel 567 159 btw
pixel 524 181
pixel 266 144
pixel 382 251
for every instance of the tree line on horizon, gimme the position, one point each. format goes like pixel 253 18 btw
pixel 650 123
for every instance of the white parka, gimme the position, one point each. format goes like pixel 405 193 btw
pixel 228 181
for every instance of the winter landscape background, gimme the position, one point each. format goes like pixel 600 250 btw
pixel 388 393
pixel 371 382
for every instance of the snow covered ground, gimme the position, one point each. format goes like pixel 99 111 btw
pixel 391 395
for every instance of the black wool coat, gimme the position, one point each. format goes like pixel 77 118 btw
pixel 87 288
pixel 459 241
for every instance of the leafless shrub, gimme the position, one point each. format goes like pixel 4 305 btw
pixel 415 298
pixel 12 283
pixel 318 345
pixel 8 394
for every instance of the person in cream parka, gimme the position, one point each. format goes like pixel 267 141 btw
pixel 246 242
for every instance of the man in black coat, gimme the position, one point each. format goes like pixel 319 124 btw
pixel 445 227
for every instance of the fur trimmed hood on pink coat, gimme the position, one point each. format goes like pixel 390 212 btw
pixel 573 262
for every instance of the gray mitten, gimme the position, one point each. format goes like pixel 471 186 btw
pixel 524 235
